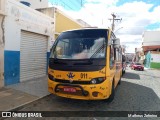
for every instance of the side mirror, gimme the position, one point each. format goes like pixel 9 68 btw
pixel 116 43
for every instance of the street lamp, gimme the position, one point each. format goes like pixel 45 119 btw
pixel 118 29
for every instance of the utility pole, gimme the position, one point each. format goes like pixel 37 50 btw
pixel 114 19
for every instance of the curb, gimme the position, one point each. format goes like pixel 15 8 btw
pixel 17 108
pixel 25 104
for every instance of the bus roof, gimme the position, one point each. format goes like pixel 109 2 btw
pixel 87 28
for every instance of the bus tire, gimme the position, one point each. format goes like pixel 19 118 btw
pixel 111 97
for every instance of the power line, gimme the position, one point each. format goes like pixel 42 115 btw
pixel 72 4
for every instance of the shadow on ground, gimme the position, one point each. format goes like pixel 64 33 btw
pixel 129 75
pixel 129 97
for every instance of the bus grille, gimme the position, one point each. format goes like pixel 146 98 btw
pixel 73 82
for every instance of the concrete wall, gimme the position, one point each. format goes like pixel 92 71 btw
pixel 48 11
pixel 2 43
pixel 155 60
pixel 155 57
pixel 35 4
pixel 19 17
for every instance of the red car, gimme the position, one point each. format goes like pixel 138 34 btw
pixel 137 66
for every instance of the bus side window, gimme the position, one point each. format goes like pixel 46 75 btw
pixel 112 61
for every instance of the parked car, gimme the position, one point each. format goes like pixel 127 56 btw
pixel 137 66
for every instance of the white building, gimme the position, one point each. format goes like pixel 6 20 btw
pixel 151 40
pixel 129 57
pixel 36 4
pixel 151 48
pixel 25 36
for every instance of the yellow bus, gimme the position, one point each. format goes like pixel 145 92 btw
pixel 85 64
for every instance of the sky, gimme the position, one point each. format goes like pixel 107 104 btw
pixel 137 16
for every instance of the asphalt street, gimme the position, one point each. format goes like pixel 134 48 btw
pixel 139 91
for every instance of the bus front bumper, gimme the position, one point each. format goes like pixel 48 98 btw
pixel 85 92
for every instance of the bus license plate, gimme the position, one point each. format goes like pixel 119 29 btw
pixel 69 89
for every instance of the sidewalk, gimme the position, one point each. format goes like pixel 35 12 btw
pixel 17 95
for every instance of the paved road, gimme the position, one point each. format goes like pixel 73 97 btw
pixel 139 91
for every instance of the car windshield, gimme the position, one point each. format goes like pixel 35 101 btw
pixel 138 64
pixel 80 47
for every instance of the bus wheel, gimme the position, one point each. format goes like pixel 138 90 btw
pixel 111 97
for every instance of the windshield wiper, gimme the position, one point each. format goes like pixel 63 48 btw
pixel 57 61
pixel 97 51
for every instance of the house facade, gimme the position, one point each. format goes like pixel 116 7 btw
pixel 24 42
pixel 151 48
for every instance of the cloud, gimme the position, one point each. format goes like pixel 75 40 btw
pixel 131 42
pixel 135 18
pixel 155 14
pixel 129 39
pixel 94 12
pixel 158 29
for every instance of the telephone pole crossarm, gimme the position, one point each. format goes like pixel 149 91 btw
pixel 114 19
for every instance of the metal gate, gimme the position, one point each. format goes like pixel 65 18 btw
pixel 33 55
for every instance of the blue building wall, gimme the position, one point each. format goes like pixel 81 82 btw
pixel 11 67
pixel 48 54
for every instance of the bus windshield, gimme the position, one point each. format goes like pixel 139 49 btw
pixel 80 46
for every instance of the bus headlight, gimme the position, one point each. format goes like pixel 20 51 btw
pixel 97 80
pixel 51 77
pixel 93 81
